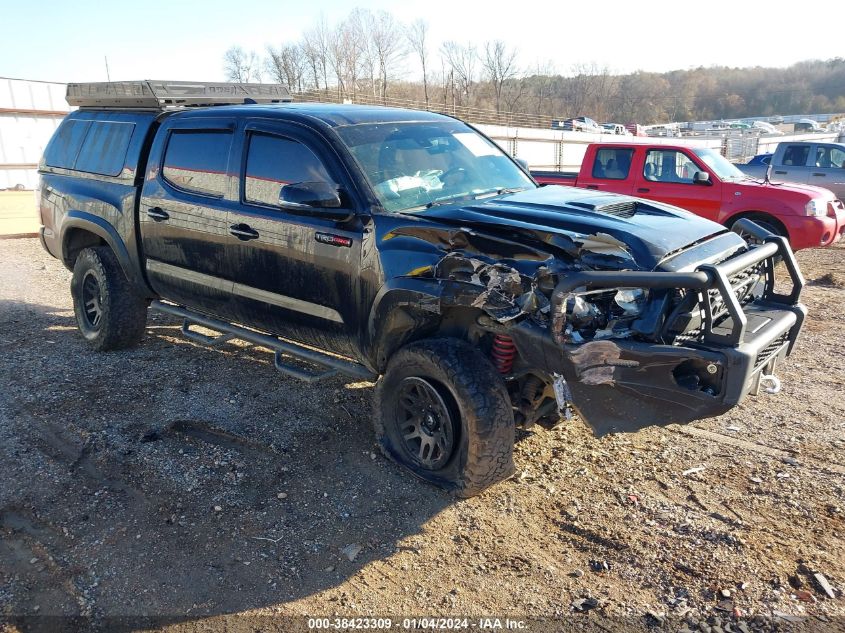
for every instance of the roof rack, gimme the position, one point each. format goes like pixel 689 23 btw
pixel 158 95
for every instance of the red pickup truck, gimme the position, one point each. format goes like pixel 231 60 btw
pixel 702 181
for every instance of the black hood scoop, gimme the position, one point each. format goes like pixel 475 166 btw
pixel 623 209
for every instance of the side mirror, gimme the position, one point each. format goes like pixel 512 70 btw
pixel 313 197
pixel 522 163
pixel 701 178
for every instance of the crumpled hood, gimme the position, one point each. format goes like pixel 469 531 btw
pixel 647 230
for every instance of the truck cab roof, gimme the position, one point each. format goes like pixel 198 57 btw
pixel 329 114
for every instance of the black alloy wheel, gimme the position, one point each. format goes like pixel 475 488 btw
pixel 92 301
pixel 428 430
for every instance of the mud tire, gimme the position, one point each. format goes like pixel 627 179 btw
pixel 480 413
pixel 121 314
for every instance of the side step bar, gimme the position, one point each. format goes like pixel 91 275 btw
pixel 326 365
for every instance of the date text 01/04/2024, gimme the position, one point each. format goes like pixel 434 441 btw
pixel 416 624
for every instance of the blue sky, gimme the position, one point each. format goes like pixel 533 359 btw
pixel 155 39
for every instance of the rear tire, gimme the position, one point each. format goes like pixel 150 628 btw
pixel 443 412
pixel 110 315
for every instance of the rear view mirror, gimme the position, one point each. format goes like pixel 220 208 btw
pixel 314 197
pixel 309 194
pixel 701 178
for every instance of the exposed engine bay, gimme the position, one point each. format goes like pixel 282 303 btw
pixel 589 323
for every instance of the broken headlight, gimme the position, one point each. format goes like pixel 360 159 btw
pixel 631 300
pixel 601 314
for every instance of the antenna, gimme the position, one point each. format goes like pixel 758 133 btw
pixel 108 77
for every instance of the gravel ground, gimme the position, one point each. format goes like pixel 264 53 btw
pixel 201 487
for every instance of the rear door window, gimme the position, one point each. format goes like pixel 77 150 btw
pixel 274 161
pixel 195 161
pixel 612 163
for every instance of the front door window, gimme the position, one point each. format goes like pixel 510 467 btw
pixel 669 166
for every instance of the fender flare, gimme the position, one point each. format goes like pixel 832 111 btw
pixel 91 223
pixel 407 306
pixel 402 306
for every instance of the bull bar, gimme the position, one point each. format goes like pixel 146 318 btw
pixel 705 278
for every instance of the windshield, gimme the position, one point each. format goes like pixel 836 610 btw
pixel 719 165
pixel 413 166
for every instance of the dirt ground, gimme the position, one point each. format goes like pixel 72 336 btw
pixel 18 216
pixel 201 487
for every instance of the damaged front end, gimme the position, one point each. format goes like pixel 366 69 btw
pixel 631 348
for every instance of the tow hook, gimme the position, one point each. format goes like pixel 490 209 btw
pixel 770 383
pixel 563 395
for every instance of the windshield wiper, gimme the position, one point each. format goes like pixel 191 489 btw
pixel 498 191
pixel 447 200
pixel 440 202
pixel 432 204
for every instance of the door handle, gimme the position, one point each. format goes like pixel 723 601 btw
pixel 592 186
pixel 243 232
pixel 818 174
pixel 158 214
pixel 643 190
pixel 782 173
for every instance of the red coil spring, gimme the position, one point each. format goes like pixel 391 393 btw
pixel 504 351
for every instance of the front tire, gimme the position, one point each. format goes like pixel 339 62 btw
pixel 443 412
pixel 767 222
pixel 110 315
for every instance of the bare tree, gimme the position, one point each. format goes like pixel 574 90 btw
pixel 241 66
pixel 499 67
pixel 461 60
pixel 312 64
pixel 542 85
pixel 362 20
pixel 448 82
pixel 513 90
pixel 640 98
pixel 345 55
pixel 316 47
pixel 286 65
pixel 590 90
pixel 418 38
pixel 337 53
pixel 388 45
pixel 358 54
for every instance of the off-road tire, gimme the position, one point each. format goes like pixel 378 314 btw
pixel 123 314
pixel 481 413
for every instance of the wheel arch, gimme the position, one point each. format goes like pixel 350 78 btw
pixel 82 230
pixel 758 215
pixel 404 309
pixel 408 309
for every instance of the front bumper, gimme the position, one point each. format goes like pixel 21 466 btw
pixel 624 385
pixel 811 232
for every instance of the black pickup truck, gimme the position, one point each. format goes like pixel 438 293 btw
pixel 407 248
